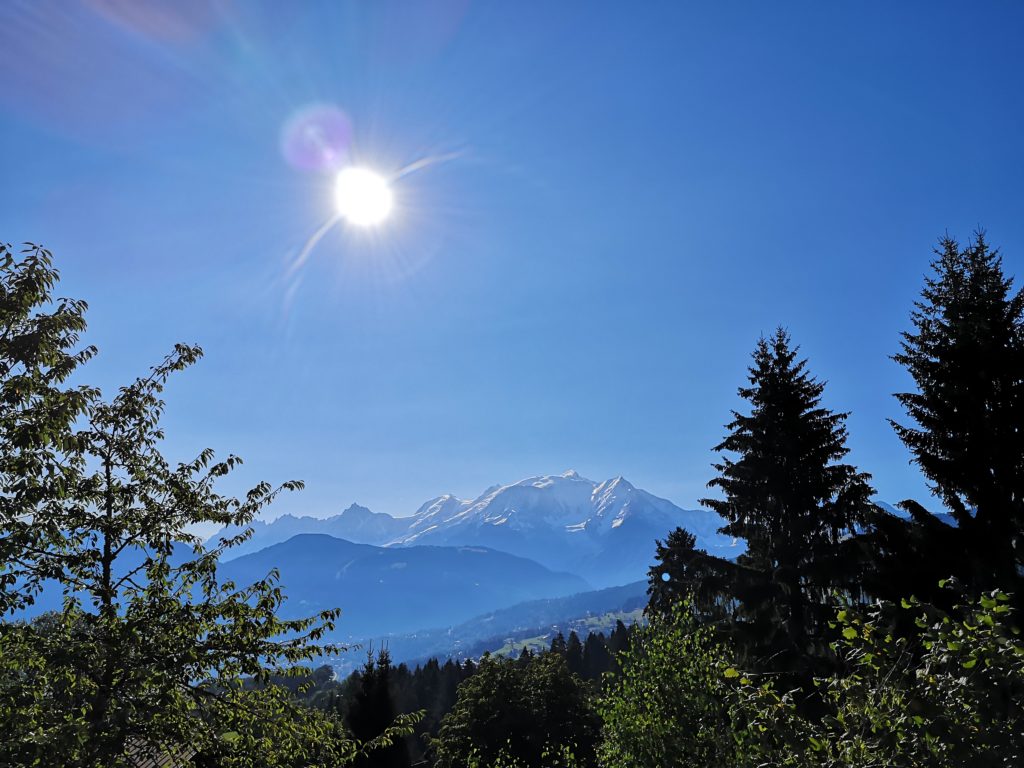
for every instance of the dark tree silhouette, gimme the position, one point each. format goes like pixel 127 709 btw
pixel 787 494
pixel 966 356
pixel 558 644
pixel 372 709
pixel 596 660
pixel 574 654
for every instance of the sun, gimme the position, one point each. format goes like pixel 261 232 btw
pixel 362 197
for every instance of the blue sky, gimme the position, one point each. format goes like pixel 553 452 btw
pixel 639 190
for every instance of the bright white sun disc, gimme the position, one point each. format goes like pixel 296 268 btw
pixel 362 197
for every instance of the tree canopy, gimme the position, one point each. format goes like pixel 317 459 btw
pixel 150 647
pixel 535 715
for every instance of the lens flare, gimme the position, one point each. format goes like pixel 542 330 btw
pixel 362 197
pixel 317 138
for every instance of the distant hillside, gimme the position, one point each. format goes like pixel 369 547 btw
pixel 584 612
pixel 386 590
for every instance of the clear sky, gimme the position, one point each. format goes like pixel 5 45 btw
pixel 623 197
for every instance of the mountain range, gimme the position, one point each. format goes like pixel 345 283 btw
pixel 459 576
pixel 603 532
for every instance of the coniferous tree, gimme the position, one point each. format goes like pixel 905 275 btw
pixel 787 494
pixel 372 710
pixel 525 656
pixel 966 356
pixel 682 571
pixel 618 640
pixel 596 660
pixel 574 654
pixel 558 644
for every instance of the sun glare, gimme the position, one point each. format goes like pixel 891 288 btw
pixel 362 197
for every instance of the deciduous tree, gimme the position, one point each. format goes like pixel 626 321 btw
pixel 534 715
pixel 150 649
pixel 670 705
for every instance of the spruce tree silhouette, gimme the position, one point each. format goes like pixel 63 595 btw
pixel 787 494
pixel 966 357
pixel 574 654
pixel 372 708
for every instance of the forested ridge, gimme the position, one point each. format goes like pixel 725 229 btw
pixel 845 635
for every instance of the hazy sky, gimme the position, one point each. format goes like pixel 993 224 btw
pixel 624 197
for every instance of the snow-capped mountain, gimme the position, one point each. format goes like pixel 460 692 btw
pixel 567 502
pixel 604 532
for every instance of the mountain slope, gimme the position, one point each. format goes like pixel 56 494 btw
pixel 490 631
pixel 384 590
